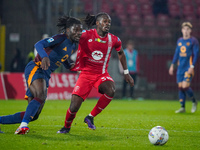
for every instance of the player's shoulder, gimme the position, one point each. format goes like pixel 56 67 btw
pixel 193 39
pixel 87 31
pixel 58 36
pixel 116 38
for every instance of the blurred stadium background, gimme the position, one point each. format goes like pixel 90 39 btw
pixel 23 23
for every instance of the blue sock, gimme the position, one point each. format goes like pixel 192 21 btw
pixel 182 97
pixel 190 93
pixel 12 119
pixel 31 110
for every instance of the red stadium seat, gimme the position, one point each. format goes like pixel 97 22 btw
pixel 149 20
pixel 119 8
pixel 153 33
pixel 163 20
pixel 174 10
pixel 116 1
pixel 146 9
pixel 140 33
pixel 197 2
pixel 135 20
pixel 198 11
pixel 165 33
pixel 130 1
pixel 196 33
pixel 170 2
pixel 105 8
pixel 188 10
pixel 122 16
pixel 149 2
pixel 132 9
pixel 124 23
pixel 88 7
pixel 186 2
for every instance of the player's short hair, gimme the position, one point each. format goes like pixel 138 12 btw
pixel 65 22
pixel 188 24
pixel 90 20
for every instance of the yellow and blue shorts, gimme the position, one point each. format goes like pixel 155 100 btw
pixel 33 72
pixel 184 77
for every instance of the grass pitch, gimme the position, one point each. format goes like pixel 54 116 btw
pixel 122 125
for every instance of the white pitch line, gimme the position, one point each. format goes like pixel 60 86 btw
pixel 121 128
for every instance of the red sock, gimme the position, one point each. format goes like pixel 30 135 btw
pixel 103 101
pixel 69 118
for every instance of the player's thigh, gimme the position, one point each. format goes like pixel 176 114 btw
pixel 39 88
pixel 107 87
pixel 185 84
pixel 83 86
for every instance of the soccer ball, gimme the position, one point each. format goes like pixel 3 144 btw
pixel 158 135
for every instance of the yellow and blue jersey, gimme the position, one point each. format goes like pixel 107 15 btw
pixel 58 49
pixel 186 54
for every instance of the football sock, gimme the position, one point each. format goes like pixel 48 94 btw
pixel 103 101
pixel 69 118
pixel 12 119
pixel 182 97
pixel 190 93
pixel 31 110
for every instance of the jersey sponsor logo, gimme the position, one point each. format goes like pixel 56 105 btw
pixel 65 49
pixel 99 40
pixel 50 40
pixel 179 44
pixel 183 51
pixel 97 55
pixel 77 88
pixel 90 40
pixel 188 43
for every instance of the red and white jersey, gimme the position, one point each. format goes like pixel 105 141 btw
pixel 94 51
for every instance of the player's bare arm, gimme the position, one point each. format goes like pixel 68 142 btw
pixel 171 69
pixel 122 59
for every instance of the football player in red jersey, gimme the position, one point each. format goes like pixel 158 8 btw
pixel 93 55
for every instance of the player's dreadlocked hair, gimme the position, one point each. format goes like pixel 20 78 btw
pixel 65 22
pixel 90 20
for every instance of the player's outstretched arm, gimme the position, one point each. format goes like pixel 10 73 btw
pixel 122 59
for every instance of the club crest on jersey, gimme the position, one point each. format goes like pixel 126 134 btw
pixel 97 55
pixel 50 40
pixel 99 40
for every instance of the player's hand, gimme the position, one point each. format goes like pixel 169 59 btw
pixel 190 70
pixel 129 79
pixel 72 66
pixel 45 63
pixel 171 70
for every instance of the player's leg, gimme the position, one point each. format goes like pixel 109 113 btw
pixel 39 91
pixel 182 97
pixel 80 92
pixel 76 102
pixel 107 88
pixel 188 90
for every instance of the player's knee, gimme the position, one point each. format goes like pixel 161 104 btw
pixel 41 95
pixel 110 92
pixel 74 108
